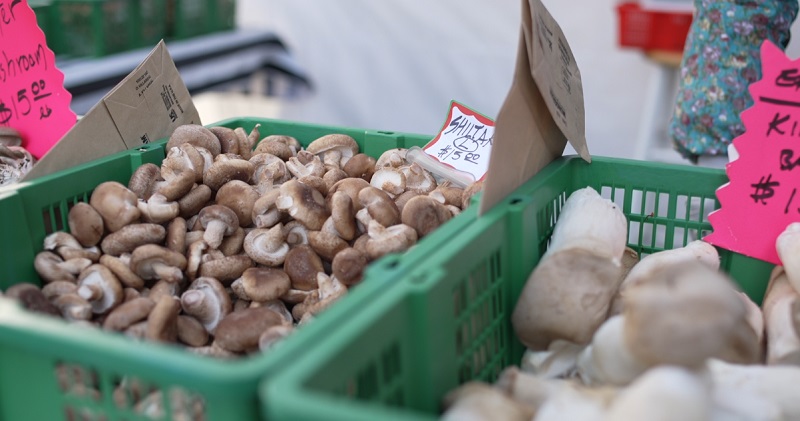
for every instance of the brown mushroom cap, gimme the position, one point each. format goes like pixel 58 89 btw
pixel 58 288
pixel 128 313
pixel 152 261
pixel 185 157
pixel 85 224
pixel 32 298
pixel 273 146
pixel 143 180
pixel 207 301
pixel 116 204
pixel 162 287
pixel 302 265
pixel 73 307
pixel 234 243
pixel 225 170
pixel 175 239
pixel 122 271
pixel 326 244
pixel 239 331
pixel 228 141
pixel 682 315
pixel 350 186
pixel 303 203
pixel 380 206
pixel 424 214
pixel 129 237
pixel 244 143
pixel 342 220
pixel 219 221
pixel 51 268
pixel 360 166
pixel 197 198
pixel 332 177
pixel 470 191
pixel 448 195
pixel 316 182
pixel 226 269
pixel 197 135
pixel 240 197
pixel 191 331
pixel 261 284
pixel 336 149
pixel 100 287
pixel 177 185
pixel 394 239
pixel 289 141
pixel 162 323
pixel 348 266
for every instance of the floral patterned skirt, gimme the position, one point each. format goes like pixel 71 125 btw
pixel 720 60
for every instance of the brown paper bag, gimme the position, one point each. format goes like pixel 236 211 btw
pixel 146 106
pixel 544 108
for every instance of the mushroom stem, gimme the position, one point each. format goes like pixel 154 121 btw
pixel 783 343
pixel 569 293
pixel 215 231
pixel 167 273
pixel 663 393
pixel 90 292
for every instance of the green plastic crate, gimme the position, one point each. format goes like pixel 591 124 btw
pixel 189 18
pixel 93 28
pixel 42 9
pixel 34 348
pixel 222 16
pixel 448 321
pixel 151 22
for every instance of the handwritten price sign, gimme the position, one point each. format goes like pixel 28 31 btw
pixel 465 141
pixel 762 196
pixel 32 95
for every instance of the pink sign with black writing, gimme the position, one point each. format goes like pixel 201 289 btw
pixel 32 96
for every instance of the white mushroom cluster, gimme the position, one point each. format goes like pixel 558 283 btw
pixel 611 337
pixel 234 240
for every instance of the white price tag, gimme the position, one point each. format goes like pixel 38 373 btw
pixel 465 141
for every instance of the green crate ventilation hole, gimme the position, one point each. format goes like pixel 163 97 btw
pixel 658 220
pixel 379 380
pixel 482 330
pixel 54 216
pixel 89 394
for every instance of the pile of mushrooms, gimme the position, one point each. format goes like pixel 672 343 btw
pixel 234 240
pixel 667 337
pixel 15 160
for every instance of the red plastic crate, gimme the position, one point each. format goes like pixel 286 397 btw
pixel 652 29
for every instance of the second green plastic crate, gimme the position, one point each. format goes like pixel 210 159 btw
pixel 93 28
pixel 448 321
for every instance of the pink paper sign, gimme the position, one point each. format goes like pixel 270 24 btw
pixel 762 196
pixel 32 95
